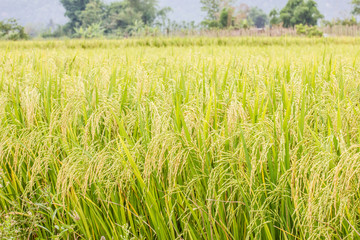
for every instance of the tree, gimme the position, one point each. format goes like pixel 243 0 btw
pixel 128 15
pixel 356 5
pixel 114 18
pixel 274 18
pixel 93 13
pixel 240 16
pixel 219 13
pixel 119 16
pixel 11 30
pixel 257 17
pixel 73 8
pixel 146 8
pixel 212 8
pixel 224 18
pixel 163 20
pixel 300 12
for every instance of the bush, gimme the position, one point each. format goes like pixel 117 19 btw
pixel 93 31
pixel 308 31
pixel 57 33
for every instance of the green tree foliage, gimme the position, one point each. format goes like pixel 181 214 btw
pixel 351 21
pixel 212 9
pixel 93 13
pixel 148 9
pixel 274 18
pixel 94 30
pixel 116 18
pixel 224 14
pixel 257 17
pixel 73 9
pixel 120 16
pixel 11 30
pixel 128 15
pixel 308 31
pixel 163 21
pixel 356 5
pixel 300 12
pixel 224 18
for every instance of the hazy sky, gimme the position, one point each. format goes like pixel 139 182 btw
pixel 41 11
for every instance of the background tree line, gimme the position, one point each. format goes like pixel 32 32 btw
pixel 303 15
pixel 225 14
pixel 94 18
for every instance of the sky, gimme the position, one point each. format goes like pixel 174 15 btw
pixel 41 11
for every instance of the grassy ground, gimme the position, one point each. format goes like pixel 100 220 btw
pixel 187 139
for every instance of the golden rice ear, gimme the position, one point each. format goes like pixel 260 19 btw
pixel 180 138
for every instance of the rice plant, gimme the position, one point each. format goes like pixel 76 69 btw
pixel 195 138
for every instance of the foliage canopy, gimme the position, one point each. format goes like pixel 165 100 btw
pixel 300 12
pixel 258 17
pixel 356 5
pixel 11 30
pixel 115 18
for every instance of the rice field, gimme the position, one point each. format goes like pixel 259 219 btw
pixel 197 138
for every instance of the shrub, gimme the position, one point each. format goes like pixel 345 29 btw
pixel 93 31
pixel 308 31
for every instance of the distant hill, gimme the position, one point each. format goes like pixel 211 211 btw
pixel 41 11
